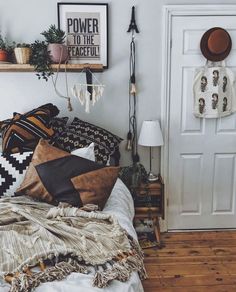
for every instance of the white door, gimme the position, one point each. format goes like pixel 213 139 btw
pixel 202 153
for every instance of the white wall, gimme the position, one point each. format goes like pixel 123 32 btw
pixel 23 20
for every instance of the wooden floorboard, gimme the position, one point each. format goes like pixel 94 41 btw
pixel 192 262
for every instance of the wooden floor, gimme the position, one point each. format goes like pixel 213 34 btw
pixel 193 261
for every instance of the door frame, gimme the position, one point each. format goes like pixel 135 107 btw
pixel 169 11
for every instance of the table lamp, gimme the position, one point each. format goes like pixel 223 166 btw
pixel 151 136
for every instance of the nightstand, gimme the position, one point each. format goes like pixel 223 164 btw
pixel 149 203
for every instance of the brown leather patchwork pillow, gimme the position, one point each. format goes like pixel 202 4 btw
pixel 23 131
pixel 57 176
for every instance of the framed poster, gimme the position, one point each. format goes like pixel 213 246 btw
pixel 86 28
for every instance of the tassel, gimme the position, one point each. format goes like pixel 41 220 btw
pixel 104 278
pixel 133 89
pixel 97 280
pixel 70 109
pixel 129 141
pixel 81 96
pixel 101 91
pixel 94 96
pixel 87 102
pixel 42 266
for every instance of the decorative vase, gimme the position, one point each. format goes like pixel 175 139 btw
pixel 58 53
pixel 22 55
pixel 3 56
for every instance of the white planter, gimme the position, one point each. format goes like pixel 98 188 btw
pixel 22 55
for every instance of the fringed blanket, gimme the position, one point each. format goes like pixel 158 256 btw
pixel 62 241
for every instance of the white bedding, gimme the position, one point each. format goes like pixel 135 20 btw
pixel 119 204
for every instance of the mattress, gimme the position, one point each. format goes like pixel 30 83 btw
pixel 120 204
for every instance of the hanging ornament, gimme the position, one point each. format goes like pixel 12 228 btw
pixel 89 92
pixel 132 144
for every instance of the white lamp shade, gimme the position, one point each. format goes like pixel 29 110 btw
pixel 150 134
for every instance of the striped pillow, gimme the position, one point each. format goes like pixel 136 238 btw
pixel 23 131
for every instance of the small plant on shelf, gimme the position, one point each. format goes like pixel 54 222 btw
pixel 22 53
pixel 5 49
pixel 41 60
pixel 55 37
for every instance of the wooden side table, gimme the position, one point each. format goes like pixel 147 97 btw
pixel 149 203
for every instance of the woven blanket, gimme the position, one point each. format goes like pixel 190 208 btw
pixel 62 240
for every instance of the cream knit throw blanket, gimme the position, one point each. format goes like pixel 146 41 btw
pixel 66 240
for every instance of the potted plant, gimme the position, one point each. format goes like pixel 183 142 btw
pixel 41 60
pixel 55 38
pixel 22 53
pixel 4 49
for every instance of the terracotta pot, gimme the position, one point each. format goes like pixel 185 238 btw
pixel 22 55
pixel 58 52
pixel 3 56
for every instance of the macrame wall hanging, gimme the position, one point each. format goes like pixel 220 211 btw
pixel 132 144
pixel 88 93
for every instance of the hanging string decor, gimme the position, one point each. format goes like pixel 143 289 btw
pixel 132 143
pixel 88 92
pixel 54 82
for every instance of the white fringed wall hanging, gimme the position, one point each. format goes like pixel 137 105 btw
pixel 88 93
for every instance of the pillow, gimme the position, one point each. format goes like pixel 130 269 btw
pixel 23 131
pixel 12 171
pixel 59 124
pixel 86 152
pixel 13 168
pixel 81 134
pixel 57 176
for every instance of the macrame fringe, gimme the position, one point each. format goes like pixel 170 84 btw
pixel 26 283
pixel 118 269
pixel 121 270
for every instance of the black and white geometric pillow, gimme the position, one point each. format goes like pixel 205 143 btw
pixel 70 141
pixel 12 171
pixel 81 134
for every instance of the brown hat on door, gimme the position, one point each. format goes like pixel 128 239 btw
pixel 216 44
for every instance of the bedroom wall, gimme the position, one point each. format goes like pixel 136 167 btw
pixel 23 20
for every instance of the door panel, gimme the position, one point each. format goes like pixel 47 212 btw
pixel 223 183
pixel 191 184
pixel 201 151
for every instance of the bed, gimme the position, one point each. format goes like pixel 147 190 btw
pixel 82 173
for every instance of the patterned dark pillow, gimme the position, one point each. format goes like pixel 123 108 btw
pixel 12 171
pixel 23 131
pixel 59 124
pixel 81 134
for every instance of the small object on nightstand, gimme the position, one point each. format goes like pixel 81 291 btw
pixel 133 175
pixel 149 207
pixel 151 136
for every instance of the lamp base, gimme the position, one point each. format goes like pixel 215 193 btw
pixel 152 177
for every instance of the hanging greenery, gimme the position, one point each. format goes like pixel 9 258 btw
pixel 41 60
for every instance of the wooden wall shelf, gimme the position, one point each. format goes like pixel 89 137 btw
pixel 69 67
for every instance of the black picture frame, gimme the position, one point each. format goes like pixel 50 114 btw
pixel 99 47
